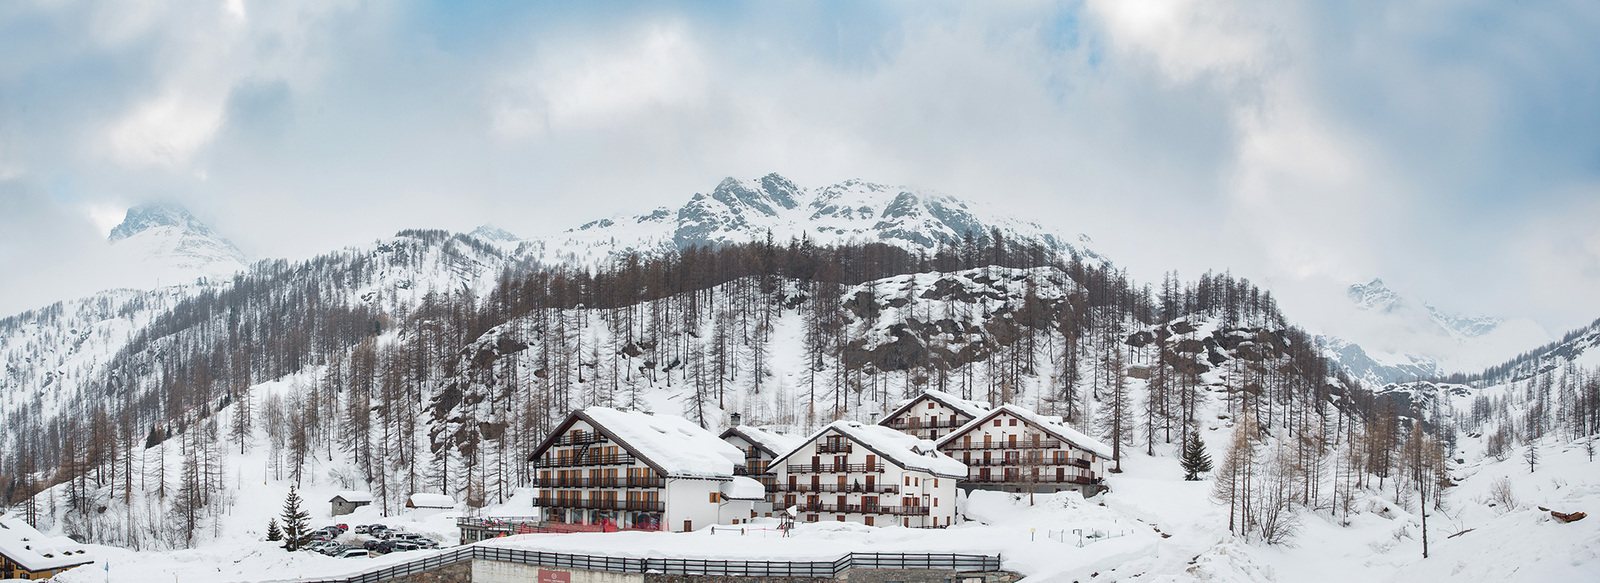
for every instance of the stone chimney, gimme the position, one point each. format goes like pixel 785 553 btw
pixel 733 420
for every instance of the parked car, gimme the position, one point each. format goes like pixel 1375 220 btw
pixel 342 527
pixel 332 549
pixel 348 553
pixel 404 545
pixel 427 543
pixel 410 536
pixel 363 528
pixel 321 546
pixel 375 546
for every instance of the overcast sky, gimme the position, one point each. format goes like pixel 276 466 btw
pixel 1451 148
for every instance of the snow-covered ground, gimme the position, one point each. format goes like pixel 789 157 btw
pixel 1037 537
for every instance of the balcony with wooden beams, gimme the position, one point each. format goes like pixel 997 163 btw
pixel 608 482
pixel 603 504
pixel 835 468
pixel 587 459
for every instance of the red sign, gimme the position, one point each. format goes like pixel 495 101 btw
pixel 554 576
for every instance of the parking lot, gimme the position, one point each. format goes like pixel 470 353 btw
pixel 366 540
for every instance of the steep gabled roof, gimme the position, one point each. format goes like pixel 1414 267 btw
pixel 353 496
pixel 966 407
pixel 672 445
pixel 424 500
pixel 36 552
pixel 901 449
pixel 767 440
pixel 1050 425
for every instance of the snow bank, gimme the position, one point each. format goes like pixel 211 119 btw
pixel 742 488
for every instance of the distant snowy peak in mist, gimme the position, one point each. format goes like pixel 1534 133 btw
pixel 174 245
pixel 741 211
pixel 1375 296
pixel 1395 338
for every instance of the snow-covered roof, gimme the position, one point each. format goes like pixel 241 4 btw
pixel 742 488
pixel 1052 425
pixel 673 445
pixel 355 496
pixel 776 444
pixel 900 449
pixel 966 407
pixel 34 551
pixel 432 501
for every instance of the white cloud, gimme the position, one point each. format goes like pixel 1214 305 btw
pixel 1187 38
pixel 205 55
pixel 105 215
pixel 167 130
pixel 598 83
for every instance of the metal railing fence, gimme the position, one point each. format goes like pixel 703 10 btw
pixel 721 567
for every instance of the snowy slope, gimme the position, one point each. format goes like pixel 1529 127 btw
pixel 50 353
pixel 741 211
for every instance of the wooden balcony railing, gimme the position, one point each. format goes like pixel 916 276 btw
pixel 867 509
pixel 619 482
pixel 592 504
pixel 1020 444
pixel 834 468
pixel 580 438
pixel 902 424
pixel 840 488
pixel 834 447
pixel 592 459
pixel 1042 479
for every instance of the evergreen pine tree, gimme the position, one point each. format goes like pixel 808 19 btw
pixel 1195 459
pixel 273 532
pixel 296 523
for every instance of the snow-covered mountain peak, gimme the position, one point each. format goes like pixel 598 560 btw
pixel 1464 326
pixel 1375 296
pixel 170 243
pixel 145 217
pixel 494 234
pixel 745 210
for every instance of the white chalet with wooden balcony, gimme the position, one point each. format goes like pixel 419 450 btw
pixel 1016 450
pixel 637 471
pixel 933 414
pixel 760 446
pixel 870 474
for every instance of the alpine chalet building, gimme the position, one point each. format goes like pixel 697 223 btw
pixel 637 471
pixel 933 414
pixel 869 474
pixel 1013 449
pixel 26 553
pixel 760 446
